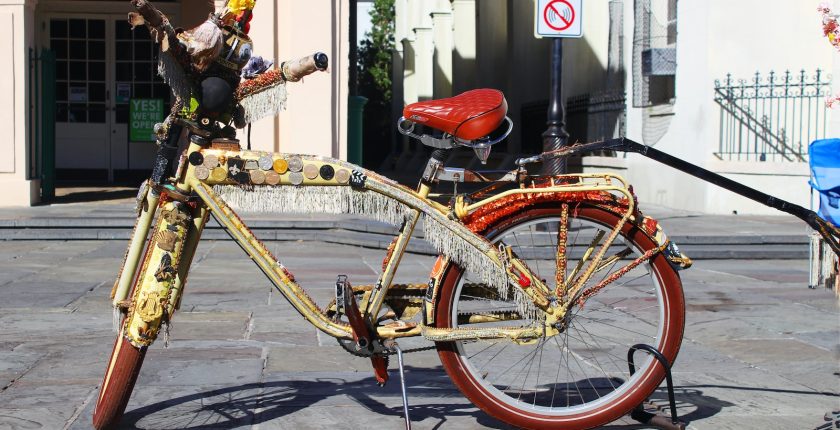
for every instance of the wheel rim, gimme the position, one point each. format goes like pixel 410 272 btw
pixel 583 369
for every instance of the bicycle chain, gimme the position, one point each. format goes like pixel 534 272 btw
pixel 348 345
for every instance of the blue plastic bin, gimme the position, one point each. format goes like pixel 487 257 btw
pixel 824 159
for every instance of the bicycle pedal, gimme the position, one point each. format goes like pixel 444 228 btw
pixel 380 369
pixel 361 332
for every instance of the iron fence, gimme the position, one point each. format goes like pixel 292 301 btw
pixel 599 116
pixel 772 117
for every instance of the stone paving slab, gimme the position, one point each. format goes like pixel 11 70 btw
pixel 761 350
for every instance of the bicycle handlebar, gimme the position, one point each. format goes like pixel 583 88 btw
pixel 295 70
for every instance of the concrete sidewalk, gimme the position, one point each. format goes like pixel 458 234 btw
pixel 700 236
pixel 759 352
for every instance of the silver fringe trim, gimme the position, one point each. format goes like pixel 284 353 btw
pixel 823 264
pixel 816 260
pixel 478 265
pixel 460 244
pixel 115 319
pixel 173 75
pixel 313 199
pixel 440 233
pixel 167 337
pixel 268 102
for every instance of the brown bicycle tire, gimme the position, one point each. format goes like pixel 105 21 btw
pixel 118 383
pixel 669 345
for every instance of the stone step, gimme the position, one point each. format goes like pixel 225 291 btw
pixel 377 235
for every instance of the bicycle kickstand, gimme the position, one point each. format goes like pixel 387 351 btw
pixel 393 346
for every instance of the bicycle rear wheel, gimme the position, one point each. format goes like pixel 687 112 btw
pixel 579 378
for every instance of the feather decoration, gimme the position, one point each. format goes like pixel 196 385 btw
pixel 204 44
pixel 170 70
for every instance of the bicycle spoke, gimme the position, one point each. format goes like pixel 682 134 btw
pixel 610 356
pixel 585 368
pixel 588 253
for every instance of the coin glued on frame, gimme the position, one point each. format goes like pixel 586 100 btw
pixel 272 177
pixel 211 161
pixel 251 165
pixel 196 159
pixel 218 174
pixel 296 178
pixel 310 171
pixel 327 172
pixel 265 162
pixel 342 176
pixel 280 165
pixel 295 164
pixel 201 173
pixel 257 177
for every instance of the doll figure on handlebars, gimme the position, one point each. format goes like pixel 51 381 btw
pixel 202 66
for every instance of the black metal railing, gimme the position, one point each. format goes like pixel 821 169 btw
pixel 773 117
pixel 598 116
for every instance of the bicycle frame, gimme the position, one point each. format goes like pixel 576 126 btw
pixel 333 186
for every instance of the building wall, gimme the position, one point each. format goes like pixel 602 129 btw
pixel 491 44
pixel 314 122
pixel 16 38
pixel 714 38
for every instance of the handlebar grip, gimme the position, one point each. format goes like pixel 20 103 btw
pixel 294 70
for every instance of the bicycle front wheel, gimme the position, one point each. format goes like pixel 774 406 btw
pixel 120 377
pixel 579 378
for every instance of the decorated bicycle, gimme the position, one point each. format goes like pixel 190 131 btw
pixel 542 284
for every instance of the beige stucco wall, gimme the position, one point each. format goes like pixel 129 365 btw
pixel 314 123
pixel 16 26
pixel 714 38
pixel 315 120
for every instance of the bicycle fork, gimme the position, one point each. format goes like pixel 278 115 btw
pixel 162 274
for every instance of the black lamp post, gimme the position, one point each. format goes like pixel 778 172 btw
pixel 555 136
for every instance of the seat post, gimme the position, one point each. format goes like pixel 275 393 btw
pixel 440 154
pixel 433 166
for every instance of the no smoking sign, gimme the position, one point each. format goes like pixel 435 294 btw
pixel 559 18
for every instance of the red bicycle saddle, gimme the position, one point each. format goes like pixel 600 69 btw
pixel 467 116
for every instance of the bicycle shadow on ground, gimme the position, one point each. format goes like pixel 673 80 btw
pixel 432 400
pixel 431 396
pixel 693 405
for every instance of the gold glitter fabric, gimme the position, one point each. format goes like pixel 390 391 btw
pixel 261 82
pixel 483 217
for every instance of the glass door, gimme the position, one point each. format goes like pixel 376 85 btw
pixel 135 76
pixel 82 123
pixel 101 64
